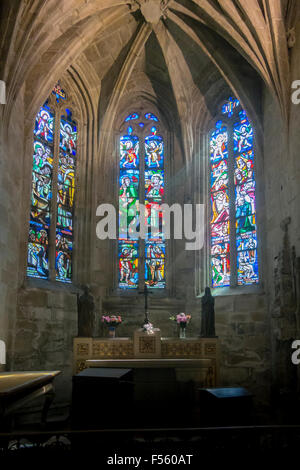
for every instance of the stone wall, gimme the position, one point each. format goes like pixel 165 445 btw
pixel 11 168
pixel 281 169
pixel 45 327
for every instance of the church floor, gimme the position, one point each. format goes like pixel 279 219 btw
pixel 147 444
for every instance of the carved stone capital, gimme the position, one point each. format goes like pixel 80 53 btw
pixel 291 37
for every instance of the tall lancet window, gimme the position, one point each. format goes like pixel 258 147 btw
pixel 233 231
pixel 50 243
pixel 141 182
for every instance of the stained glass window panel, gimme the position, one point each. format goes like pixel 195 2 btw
pixel 151 117
pixel 219 175
pixel 245 202
pixel 132 117
pixel 154 152
pixel 220 207
pixel 247 267
pixel 220 271
pixel 220 262
pixel 220 232
pixel 155 265
pixel 37 261
pixel 68 136
pixel 41 194
pixel 154 185
pixel 128 264
pixel 155 249
pixel 65 197
pixel 218 143
pixel 243 134
pixel 129 151
pixel 246 241
pixel 229 106
pixel 44 125
pixel 154 221
pixel 59 93
pixel 244 167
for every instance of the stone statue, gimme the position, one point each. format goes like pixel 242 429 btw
pixel 208 315
pixel 85 308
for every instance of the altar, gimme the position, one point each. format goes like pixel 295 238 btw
pixel 194 359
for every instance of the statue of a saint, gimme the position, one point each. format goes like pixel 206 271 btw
pixel 86 318
pixel 208 315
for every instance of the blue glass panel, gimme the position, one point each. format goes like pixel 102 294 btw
pixel 68 136
pixel 246 241
pixel 229 106
pixel 44 125
pixel 37 261
pixel 154 151
pixel 132 117
pixel 242 134
pixel 129 151
pixel 218 144
pixel 247 267
pixel 63 266
pixel 151 117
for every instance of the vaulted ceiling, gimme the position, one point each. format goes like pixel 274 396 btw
pixel 176 50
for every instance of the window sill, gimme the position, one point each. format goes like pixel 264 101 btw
pixel 237 290
pixel 45 284
pixel 137 293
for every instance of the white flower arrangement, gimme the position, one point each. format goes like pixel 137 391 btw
pixel 148 328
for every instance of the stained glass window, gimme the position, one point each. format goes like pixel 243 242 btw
pixel 137 172
pixel 129 176
pixel 59 93
pixel 233 234
pixel 41 194
pixel 65 197
pixel 229 106
pixel 53 178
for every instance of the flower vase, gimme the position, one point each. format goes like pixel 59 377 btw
pixel 182 331
pixel 111 331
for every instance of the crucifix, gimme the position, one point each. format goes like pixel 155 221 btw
pixel 146 293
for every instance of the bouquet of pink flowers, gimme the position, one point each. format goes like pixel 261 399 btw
pixel 181 319
pixel 111 320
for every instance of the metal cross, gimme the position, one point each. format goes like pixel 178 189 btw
pixel 146 293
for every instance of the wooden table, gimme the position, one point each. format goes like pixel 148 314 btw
pixel 19 388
